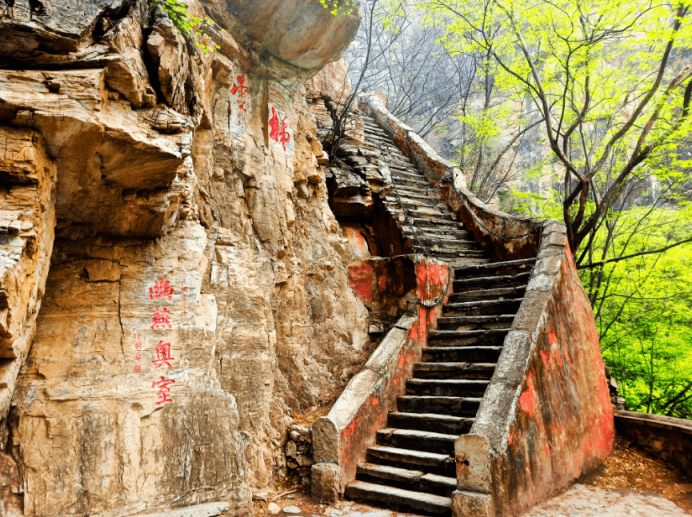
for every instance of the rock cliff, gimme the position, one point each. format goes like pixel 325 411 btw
pixel 173 283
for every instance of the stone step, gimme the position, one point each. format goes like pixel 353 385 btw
pixel 460 252
pixel 478 337
pixel 475 323
pixel 381 494
pixel 429 191
pixel 432 196
pixel 468 261
pixel 446 424
pixel 457 406
pixel 409 182
pixel 445 388
pixel 434 233
pixel 442 243
pixel 482 307
pixel 423 223
pixel 430 214
pixel 417 440
pixel 461 354
pixel 497 293
pixel 453 370
pixel 406 200
pixel 430 461
pixel 415 480
pixel 496 269
pixel 473 284
pixel 401 171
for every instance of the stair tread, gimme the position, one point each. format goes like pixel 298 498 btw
pixel 443 398
pixel 496 265
pixel 478 303
pixel 464 348
pixel 449 382
pixel 416 433
pixel 479 318
pixel 432 416
pixel 451 366
pixel 493 279
pixel 421 500
pixel 433 456
pixel 385 471
pixel 465 333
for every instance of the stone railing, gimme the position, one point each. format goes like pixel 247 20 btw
pixel 665 437
pixel 546 416
pixel 341 438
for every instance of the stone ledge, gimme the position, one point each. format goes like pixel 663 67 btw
pixel 198 510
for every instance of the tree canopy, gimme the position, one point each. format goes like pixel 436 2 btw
pixel 609 80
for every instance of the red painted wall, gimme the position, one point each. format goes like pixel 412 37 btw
pixel 563 425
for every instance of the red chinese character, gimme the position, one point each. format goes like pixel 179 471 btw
pixel 241 87
pixel 164 390
pixel 278 132
pixel 161 289
pixel 138 337
pixel 285 136
pixel 138 369
pixel 274 124
pixel 163 354
pixel 138 346
pixel 162 318
pixel 138 356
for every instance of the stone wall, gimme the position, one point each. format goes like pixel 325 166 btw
pixel 192 229
pixel 665 437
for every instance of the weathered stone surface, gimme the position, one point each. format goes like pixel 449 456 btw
pixel 199 510
pixel 326 482
pixel 300 32
pixel 168 170
pixel 27 222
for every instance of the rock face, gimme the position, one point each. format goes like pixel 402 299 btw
pixel 173 205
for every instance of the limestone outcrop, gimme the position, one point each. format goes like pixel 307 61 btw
pixel 173 283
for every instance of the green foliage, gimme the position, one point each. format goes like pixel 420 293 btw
pixel 642 309
pixel 339 7
pixel 191 27
pixel 641 304
pixel 608 78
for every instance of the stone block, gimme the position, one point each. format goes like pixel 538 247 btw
pixel 472 504
pixel 385 358
pixel 325 482
pixel 473 460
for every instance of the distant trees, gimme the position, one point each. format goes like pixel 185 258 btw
pixel 609 79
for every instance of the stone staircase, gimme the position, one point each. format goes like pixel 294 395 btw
pixel 428 225
pixel 412 464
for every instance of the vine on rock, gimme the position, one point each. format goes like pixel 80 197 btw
pixel 189 25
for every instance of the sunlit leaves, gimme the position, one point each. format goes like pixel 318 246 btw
pixel 339 7
pixel 192 27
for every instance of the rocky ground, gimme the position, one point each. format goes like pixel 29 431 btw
pixel 630 483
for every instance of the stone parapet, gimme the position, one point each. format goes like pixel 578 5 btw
pixel 665 437
pixel 341 438
pixel 546 417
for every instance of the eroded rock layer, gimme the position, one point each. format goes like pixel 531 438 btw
pixel 196 291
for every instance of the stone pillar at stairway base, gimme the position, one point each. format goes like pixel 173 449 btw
pixel 472 504
pixel 325 482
